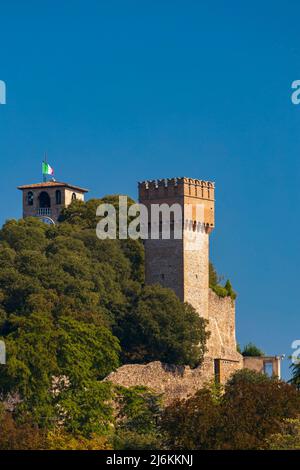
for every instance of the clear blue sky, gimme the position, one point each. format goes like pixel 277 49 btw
pixel 120 91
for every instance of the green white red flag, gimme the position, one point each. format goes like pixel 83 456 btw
pixel 47 169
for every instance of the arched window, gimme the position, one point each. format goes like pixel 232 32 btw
pixel 74 197
pixel 30 198
pixel 44 200
pixel 58 196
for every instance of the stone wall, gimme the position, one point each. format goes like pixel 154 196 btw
pixel 228 367
pixel 259 364
pixel 196 269
pixel 172 381
pixel 222 342
pixel 220 362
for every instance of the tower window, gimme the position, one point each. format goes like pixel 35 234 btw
pixel 162 276
pixel 44 199
pixel 30 198
pixel 74 197
pixel 58 196
pixel 268 368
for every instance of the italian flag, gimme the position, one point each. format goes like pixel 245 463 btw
pixel 46 169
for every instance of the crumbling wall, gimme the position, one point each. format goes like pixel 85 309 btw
pixel 170 380
pixel 220 361
pixel 259 363
pixel 173 382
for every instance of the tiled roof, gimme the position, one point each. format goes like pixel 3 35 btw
pixel 52 184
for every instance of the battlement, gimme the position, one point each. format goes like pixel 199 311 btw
pixel 176 188
pixel 184 191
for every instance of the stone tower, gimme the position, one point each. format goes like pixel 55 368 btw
pixel 181 264
pixel 46 200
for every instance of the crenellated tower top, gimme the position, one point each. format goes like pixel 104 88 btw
pixel 181 186
pixel 182 191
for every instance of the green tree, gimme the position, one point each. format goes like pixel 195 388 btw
pixel 20 436
pixel 66 301
pixel 85 352
pixel 215 284
pixel 55 372
pixel 287 439
pixel 136 423
pixel 65 271
pixel 251 409
pixel 251 350
pixel 31 363
pixel 84 213
pixel 59 439
pixel 229 289
pixel 160 327
pixel 86 409
pixel 193 423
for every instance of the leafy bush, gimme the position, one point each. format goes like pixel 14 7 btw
pixel 288 438
pixel 251 410
pixel 160 327
pixel 251 350
pixel 20 435
pixel 214 284
pixel 136 423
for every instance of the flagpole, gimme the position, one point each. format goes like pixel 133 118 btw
pixel 44 175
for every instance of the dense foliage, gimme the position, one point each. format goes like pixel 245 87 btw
pixel 137 420
pixel 251 410
pixel 159 326
pixel 72 309
pixel 252 350
pixel 288 438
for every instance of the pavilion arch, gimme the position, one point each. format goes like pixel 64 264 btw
pixel 44 200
